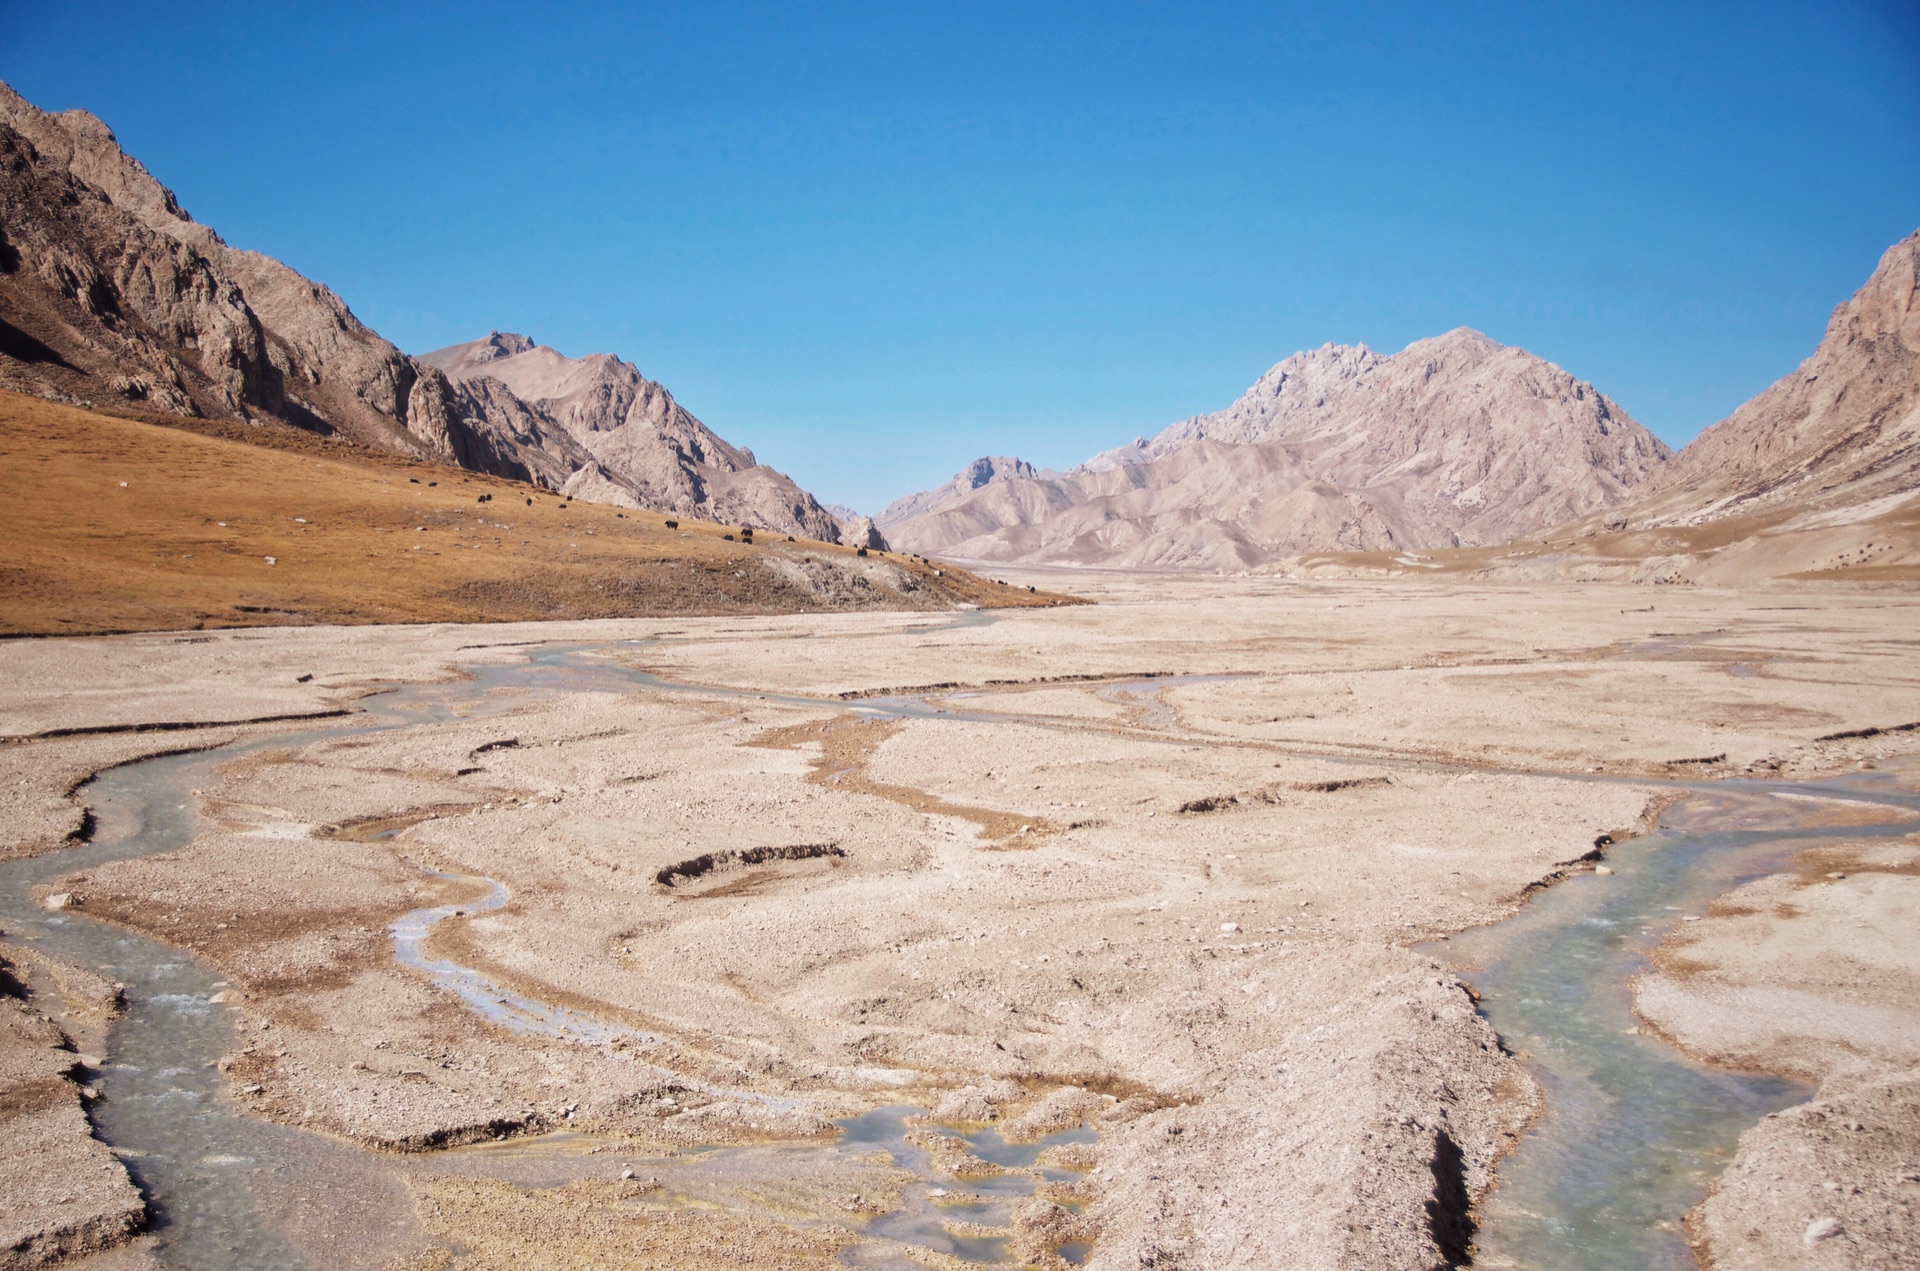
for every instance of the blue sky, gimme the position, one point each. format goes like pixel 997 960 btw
pixel 875 241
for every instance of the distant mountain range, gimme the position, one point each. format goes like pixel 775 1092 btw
pixel 1454 440
pixel 111 294
pixel 1458 442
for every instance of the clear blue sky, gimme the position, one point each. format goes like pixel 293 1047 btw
pixel 872 242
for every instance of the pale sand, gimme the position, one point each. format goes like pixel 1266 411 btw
pixel 1282 1094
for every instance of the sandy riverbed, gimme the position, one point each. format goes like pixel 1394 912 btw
pixel 1181 912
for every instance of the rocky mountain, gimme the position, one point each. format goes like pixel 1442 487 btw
pixel 111 294
pixel 1843 429
pixel 1454 440
pixel 607 434
pixel 1817 477
pixel 980 472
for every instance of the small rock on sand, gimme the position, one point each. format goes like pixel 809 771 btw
pixel 1603 869
pixel 58 900
pixel 1821 1229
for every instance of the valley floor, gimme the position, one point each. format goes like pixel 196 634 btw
pixel 1178 865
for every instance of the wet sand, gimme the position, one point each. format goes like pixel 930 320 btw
pixel 1182 912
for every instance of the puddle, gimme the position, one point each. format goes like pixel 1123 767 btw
pixel 1633 1132
pixel 937 1203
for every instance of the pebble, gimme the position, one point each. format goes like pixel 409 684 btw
pixel 1821 1229
pixel 272 560
pixel 1603 869
pixel 58 900
pixel 626 1173
pixel 1229 927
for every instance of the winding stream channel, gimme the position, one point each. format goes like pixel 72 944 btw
pixel 1633 1133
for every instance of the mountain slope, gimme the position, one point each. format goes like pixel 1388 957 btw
pixel 109 290
pixel 1815 478
pixel 111 293
pixel 628 441
pixel 139 526
pixel 1842 429
pixel 1455 440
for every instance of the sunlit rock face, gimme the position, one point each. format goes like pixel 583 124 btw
pixel 1456 440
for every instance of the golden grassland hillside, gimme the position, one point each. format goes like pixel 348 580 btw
pixel 124 524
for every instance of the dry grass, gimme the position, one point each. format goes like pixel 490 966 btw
pixel 117 524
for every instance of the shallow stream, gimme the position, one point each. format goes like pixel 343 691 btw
pixel 1633 1131
pixel 1632 1136
pixel 231 1191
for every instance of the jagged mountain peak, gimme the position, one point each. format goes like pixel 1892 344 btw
pixel 1457 438
pixel 990 468
pixel 502 344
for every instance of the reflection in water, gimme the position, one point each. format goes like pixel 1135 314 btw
pixel 927 1210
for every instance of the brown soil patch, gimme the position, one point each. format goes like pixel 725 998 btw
pixel 586 1226
pixel 846 747
pixel 129 525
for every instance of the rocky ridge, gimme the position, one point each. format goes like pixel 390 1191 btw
pixel 1842 428
pixel 112 295
pixel 607 434
pixel 1817 477
pixel 1455 440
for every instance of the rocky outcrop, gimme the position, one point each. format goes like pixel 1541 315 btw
pixel 111 294
pixel 981 472
pixel 623 439
pixel 1456 440
pixel 860 531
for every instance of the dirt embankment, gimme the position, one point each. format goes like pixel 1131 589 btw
pixel 65 1194
pixel 125 525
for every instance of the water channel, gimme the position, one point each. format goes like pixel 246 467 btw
pixel 1632 1136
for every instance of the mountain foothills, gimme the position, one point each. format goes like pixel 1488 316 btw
pixel 111 293
pixel 1454 440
